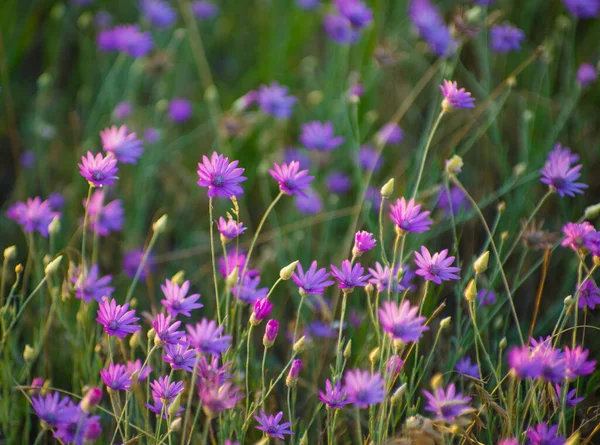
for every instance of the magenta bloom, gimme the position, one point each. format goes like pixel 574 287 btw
pixel 220 176
pixel 436 268
pixel 271 330
pixel 52 409
pixel 552 361
pixel 292 180
pixel 126 147
pixel 381 278
pixel 542 435
pixel 180 110
pixel 234 260
pixel 334 396
pixel 401 321
pixel 159 13
pixel 586 75
pixel 90 285
pixel 310 203
pixel 577 363
pixel 104 218
pixel 559 174
pixel 116 319
pixel 319 136
pixel 207 338
pixel 314 281
pixel 230 228
pixel 455 97
pixel 262 309
pixel 218 398
pixel 390 133
pixel 176 301
pixel 271 426
pixel 274 100
pixel 571 398
pixel 295 369
pixel 589 295
pixel 122 111
pixel 212 373
pixel 80 427
pixel 350 276
pixel 166 390
pixel 466 367
pixel 583 9
pixel 408 217
pixel 364 241
pixel 99 170
pixel 248 290
pixel 116 377
pixel 578 235
pixel 430 25
pixel 363 388
pixel 522 363
pixel 166 331
pixel 34 214
pixel 356 12
pixel 448 404
pixel 135 368
pixel 180 356
pixel 506 38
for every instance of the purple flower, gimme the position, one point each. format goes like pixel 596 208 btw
pixel 363 388
pixel 338 182
pixel 408 217
pixel 356 12
pixel 308 5
pixel 465 367
pixel 339 29
pixel 559 174
pixel 166 332
pixel 122 111
pixel 204 10
pixel 571 398
pixel 51 409
pixel 212 373
pixel 589 295
pixel 452 204
pixel 28 159
pixel 248 290
pixel 180 110
pixel 89 285
pixel 104 218
pixel 292 180
pixel 319 136
pixel 126 147
pixel 234 259
pixel 430 26
pixel 310 203
pixel 350 276
pixel 436 268
pixel 296 154
pixel 126 39
pixel 509 441
pixel 381 278
pixel 486 297
pixel 448 404
pixel 394 366
pixel 177 301
pixel 116 319
pixel 34 214
pixel 220 176
pixel 582 9
pixel 180 356
pixel 506 38
pixel 207 338
pixel 163 388
pixel 116 377
pixel 271 330
pixel 219 398
pixel 99 170
pixel 230 229
pixel 320 329
pixel 295 369
pixel 577 363
pixel 132 260
pixel 455 97
pixel 363 242
pixel 313 282
pixel 578 235
pixel 159 13
pixel 136 370
pixel 56 202
pixel 522 363
pixel 401 321
pixel 262 309
pixel 334 396
pixel 373 196
pixel 275 101
pixel 79 428
pixel 542 435
pixel 151 135
pixel 553 364
pixel 390 133
pixel 586 75
pixel 270 425
pixel 369 159
pixel 483 2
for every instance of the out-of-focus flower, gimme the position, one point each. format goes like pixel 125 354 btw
pixel 578 235
pixel 586 75
pixel 535 237
pixel 381 278
pixel 541 434
pixel 454 203
pixel 559 174
pixel 135 368
pixel 465 367
pixel 104 218
pixel 122 111
pixel 356 12
pixel 159 13
pixel 220 176
pixel 28 159
pixel 582 9
pixel 204 10
pixel 296 154
pixel 339 29
pixel 436 268
pixel 248 290
pixel 577 363
pixel 506 38
pixel 363 388
pixel 308 5
pixel 90 285
pixel 132 260
pixel 571 398
pixel 310 203
pixel 430 25
pixel 589 295
pixel 123 145
pixel 207 338
pixel 51 409
pixel 447 404
pixel 127 39
pixel 390 133
pixel 455 97
pixel 33 215
pixel 486 297
pixel 338 182
pixel 320 136
pixel 401 321
pixel 276 101
pixel 180 110
pixel 334 396
pixel 369 159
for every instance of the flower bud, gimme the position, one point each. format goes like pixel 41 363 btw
pixel 374 355
pixel 454 165
pixel 178 278
pixel 18 268
pixel 471 291
pixel 398 345
pixel 369 288
pixel 211 94
pixel 504 236
pixel 388 189
pixel 397 396
pixel 29 354
pixel 592 212
pixel 160 225
pixel 568 300
pixel 481 263
pixel 292 378
pixel 135 339
pixel 262 309
pixel 54 226
pixel 10 253
pixel 445 322
pixel 501 207
pixel 287 271
pixel 174 407
pixel 348 350
pixel 436 381
pixel 574 439
pixel 175 425
pixel 315 97
pixel 151 334
pixel 503 343
pixel 232 278
pixel 300 345
pixel 52 266
pixel 394 365
pixel 304 439
pixel 91 399
pixel 270 333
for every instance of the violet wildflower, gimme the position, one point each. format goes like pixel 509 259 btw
pixel 220 176
pixel 586 75
pixel 204 10
pixel 349 276
pixel 369 159
pixel 292 180
pixel 571 398
pixel 89 285
pixel 34 214
pixel 207 338
pixel 356 12
pixel 334 396
pixel 320 136
pixel 56 202
pixel 453 201
pixel 104 218
pixel 51 409
pixel 271 425
pixel 28 159
pixel 116 377
pixel 176 300
pixel 216 399
pixel 116 319
pixel 99 170
pixel 363 388
pixel 213 373
pixel 408 217
pixel 248 290
pixel 127 39
pixel 180 356
pixel 339 29
pixel 163 388
pixel 559 174
pixel 363 242
pixel 430 26
pixel 37 385
pixel 373 195
pixel 151 135
pixel 401 321
pixel 506 38
pixel 271 330
pixel 436 268
pixel 455 97
pixel 132 260
pixel 381 278
pixel 313 281
pixel 467 368
pixel 122 111
pixel 234 259
pixel 522 363
pixel 79 428
pixel 447 404
pixel 296 154
pixel 308 5
pixel 166 332
pixel 338 182
pixel 551 360
pixel 292 377
pixel 542 435
pixel 577 363
pixel 320 329
pixel 310 203
pixel 262 309
pixel 126 147
pixel 578 236
pixel 583 9
pixel 180 110
pixel 589 295
pixel 394 366
pixel 390 133
pixel 486 297
pixel 276 101
pixel 137 372
pixel 229 229
pixel 159 13
pixel 483 2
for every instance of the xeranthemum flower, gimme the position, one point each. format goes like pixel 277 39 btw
pixel 104 218
pixel 180 356
pixel 176 301
pixel 390 133
pixel 34 214
pixel 248 290
pixel 270 425
pixel 408 217
pixel 339 29
pixel 132 260
pixel 274 100
pixel 559 174
pixel 350 276
pixel 583 9
pixel 586 75
pixel 313 281
pixel 401 321
pixel 465 367
pixel 51 409
pixel 126 147
pixel 220 176
pixel 448 404
pixel 164 388
pixel 99 170
pixel 334 396
pixel 79 428
pixel 116 377
pixel 553 367
pixel 455 97
pixel 292 180
pixel 180 110
pixel 589 295
pixel 166 332
pixel 363 242
pixel 135 368
pixel 430 25
pixel 90 285
pixel 542 435
pixel 571 398
pixel 116 319
pixel 319 136
pixel 369 159
pixel 578 236
pixel 363 388
pixel 338 182
pixel 207 338
pixel 436 268
pixel 356 12
pixel 159 13
pixel 230 228
pixel 310 203
pixel 506 38
pixel 381 278
pixel 577 363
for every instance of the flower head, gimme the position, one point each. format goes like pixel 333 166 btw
pixel 204 10
pixel 207 338
pixel 34 214
pixel 262 309
pixel 452 201
pixel 180 356
pixel 571 398
pixel 577 362
pixel 466 367
pixel 136 370
pixel 350 276
pixel 248 290
pixel 90 285
pixel 559 174
pixel 292 180
pixel 230 228
pixel 116 319
pixel 578 236
pixel 218 398
pixel 506 38
pixel 338 182
pixel 436 268
pixel 339 29
pixel 363 242
pixel 319 136
pixel 104 218
pixel 51 409
pixel 486 297
pixel 163 388
pixel 79 428
pixel 166 332
pixel 313 281
pixel 363 388
pixel 356 12
pixel 122 111
pixel 180 110
pixel 430 25
pixel 586 75
pixel 407 216
pixel 275 101
pixel 583 9
pixel 390 133
pixel 447 404
pixel 310 203
pixel 176 300
pixel 541 434
pixel 271 425
pixel 99 170
pixel 455 97
pixel 334 396
pixel 132 260
pixel 220 176
pixel 159 13
pixel 369 158
pixel 124 146
pixel 401 321
pixel 394 366
pixel 589 295
pixel 381 278
pixel 116 377
pixel 271 330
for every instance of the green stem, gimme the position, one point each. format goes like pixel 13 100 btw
pixel 141 267
pixel 212 257
pixel 425 152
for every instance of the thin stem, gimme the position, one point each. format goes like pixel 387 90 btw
pixel 295 337
pixel 248 367
pixel 141 267
pixel 212 257
pixel 339 342
pixel 262 373
pixel 189 403
pixel 21 309
pixel 381 244
pixel 426 151
pixel 83 235
pixel 359 435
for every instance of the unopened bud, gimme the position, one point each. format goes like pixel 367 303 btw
pixel 232 278
pixel 135 339
pixel 211 94
pixel 174 407
pixel 504 236
pixel 315 97
pixel 501 207
pixel 436 381
pixel 388 189
pixel 471 291
pixel 29 354
pixel 54 226
pixel 292 378
pixel 568 300
pixel 271 331
pixel 18 268
pixel 175 425
pixel 591 212
pixel 398 345
pixel 454 429
pixel 445 322
pixel 91 399
pixel 304 439
pixel 160 225
pixel 178 278
pixel 481 263
pixel 151 334
pixel 574 439
pixel 52 266
pixel 369 288
pixel 300 345
pixel 397 396
pixel 374 355
pixel 503 343
pixel 348 350
pixel 454 165
pixel 511 81
pixel 520 168
pixel 287 271
pixel 10 253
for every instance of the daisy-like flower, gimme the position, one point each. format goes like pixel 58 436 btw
pixel 390 133
pixel 220 176
pixel 292 180
pixel 455 97
pixel 559 174
pixel 230 228
pixel 571 398
pixel 363 388
pixel 369 159
pixel 583 9
pixel 248 290
pixel 207 338
pixel 212 372
pixel 320 136
pixel 338 182
pixel 339 29
pixel 176 300
pixel 430 26
pixel 578 236
pixel 541 434
pixel 218 398
pixel 407 217
pixel 180 356
pixel 159 13
pixel 90 285
pixel 334 396
pixel 51 409
pixel 356 12
pixel 166 332
pixel 381 278
pixel 79 428
pixel 310 203
pixel 313 281
pixel 271 425
pixel 276 101
pixel 589 295
pixel 135 368
pixel 363 242
pixel 99 170
pixel 447 404
pixel 436 268
pixel 116 319
pixel 551 360
pixel 586 75
pixel 164 388
pixel 34 214
pixel 132 260
pixel 126 147
pixel 522 363
pixel 506 38
pixel 350 276
pixel 465 367
pixel 116 377
pixel 577 363
pixel 402 321
pixel 104 218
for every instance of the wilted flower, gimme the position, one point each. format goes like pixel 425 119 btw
pixel 436 268
pixel 363 388
pixel 220 176
pixel 401 321
pixel 447 404
pixel 535 237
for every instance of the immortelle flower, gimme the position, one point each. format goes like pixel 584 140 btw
pixel 381 278
pixel 99 170
pixel 276 101
pixel 180 356
pixel 571 398
pixel 394 366
pixel 56 201
pixel 338 182
pixel 578 236
pixel 486 297
pixel 271 330
pixel 180 110
pixel 132 260
pixel 51 409
pixel 176 301
pixel 506 38
pixel 79 428
pixel 116 377
pixel 350 276
pixel 465 367
pixel 552 361
pixel 136 370
pixel 320 136
pixel 401 321
pixel 522 363
pixel 34 214
pixel 104 218
pixel 577 363
pixel 207 338
pixel 455 97
pixel 122 111
pixel 234 259
pixel 390 133
pixel 310 203
pixel 292 180
pixel 159 13
pixel 436 268
pixel 292 377
pixel 339 29
pixel 230 228
pixel 262 309
pixel 586 75
pixel 453 201
pixel 334 396
pixel 363 388
pixel 589 295
pixel 447 404
pixel 127 39
pixel 248 290
pixel 116 319
pixel 220 176
pixel 204 10
pixel 363 242
pixel 166 332
pixel 125 146
pixel 164 392
pixel 356 12
pixel 407 217
pixel 559 174
pixel 212 373
pixel 583 9
pixel 89 285
pixel 313 281
pixel 271 425
pixel 218 398
pixel 430 26
pixel 541 434
pixel 369 159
